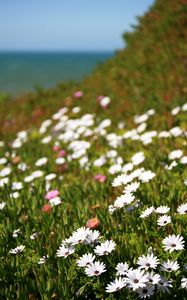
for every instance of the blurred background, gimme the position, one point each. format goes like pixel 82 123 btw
pixel 46 42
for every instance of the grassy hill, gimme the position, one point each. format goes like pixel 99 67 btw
pixel 151 71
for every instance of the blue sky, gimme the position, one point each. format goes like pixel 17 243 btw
pixel 67 24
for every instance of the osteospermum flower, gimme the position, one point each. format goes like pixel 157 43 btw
pixel 146 292
pixel 162 209
pixel 105 248
pixel 124 199
pixel 146 213
pixel 184 283
pixel 95 269
pixel 173 242
pixel 92 237
pixel 136 279
pixel 17 250
pixel 153 278
pixel 2 205
pixel 65 250
pixel 51 194
pixel 170 266
pixel 131 187
pixel 122 269
pixel 164 220
pixel 164 285
pixel 79 236
pixel 115 285
pixel 149 261
pixel 86 260
pixel 182 209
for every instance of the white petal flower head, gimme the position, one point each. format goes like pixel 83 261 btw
pixel 153 278
pixel 182 209
pixel 122 269
pixel 115 285
pixel 105 248
pixel 136 279
pixel 79 236
pixel 92 237
pixel 17 250
pixel 138 158
pixel 164 285
pixel 149 261
pixel 162 209
pixel 65 250
pixel 43 259
pixel 2 205
pixel 131 187
pixel 173 242
pixel 170 266
pixel 96 269
pixel 163 220
pixel 17 186
pixel 86 260
pixel 41 162
pixel 175 154
pixel 184 283
pixel 146 176
pixel 124 199
pixel 146 292
pixel 146 213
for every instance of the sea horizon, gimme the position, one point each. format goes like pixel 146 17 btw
pixel 23 70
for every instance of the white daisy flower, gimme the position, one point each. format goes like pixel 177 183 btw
pixel 43 260
pixel 17 186
pixel 85 260
pixel 162 209
pixel 173 242
pixel 163 220
pixel 16 232
pixel 5 172
pixel 147 212
pixel 41 162
pixel 2 205
pixel 124 199
pixel 149 261
pixel 122 269
pixel 105 248
pixel 146 176
pixel 184 283
pixel 146 292
pixel 50 176
pixel 34 236
pixel 131 187
pixel 153 278
pixel 17 250
pixel 182 209
pixel 115 285
pixel 65 250
pixel 55 201
pixel 137 158
pixel 92 237
pixel 96 269
pixel 79 236
pixel 164 285
pixel 175 154
pixel 183 160
pixel 170 266
pixel 136 279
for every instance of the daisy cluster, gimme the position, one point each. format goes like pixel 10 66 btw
pixel 134 179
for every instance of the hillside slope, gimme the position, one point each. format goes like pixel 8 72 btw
pixel 151 71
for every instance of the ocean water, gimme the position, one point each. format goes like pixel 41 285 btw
pixel 22 71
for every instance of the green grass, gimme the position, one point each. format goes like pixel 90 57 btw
pixel 150 73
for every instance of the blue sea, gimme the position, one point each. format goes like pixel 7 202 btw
pixel 22 71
